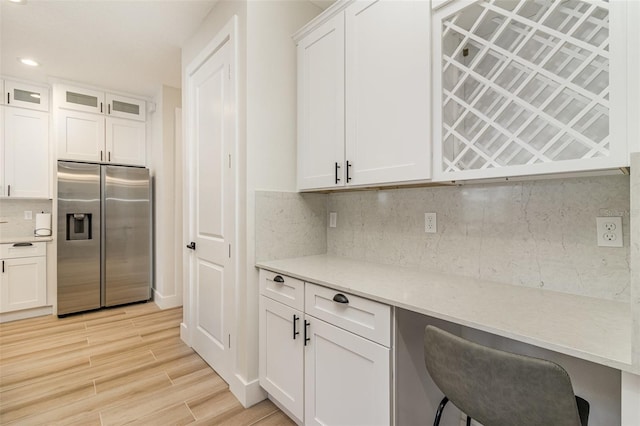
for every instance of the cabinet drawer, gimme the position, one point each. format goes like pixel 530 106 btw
pixel 287 290
pixel 364 317
pixel 11 251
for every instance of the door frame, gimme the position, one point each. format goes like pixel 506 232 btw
pixel 227 35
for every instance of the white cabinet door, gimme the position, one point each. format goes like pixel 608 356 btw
pixel 125 141
pixel 528 87
pixel 26 95
pixel 23 283
pixel 80 99
pixel 26 153
pixel 281 354
pixel 80 136
pixel 321 106
pixel 347 378
pixel 387 91
pixel 124 107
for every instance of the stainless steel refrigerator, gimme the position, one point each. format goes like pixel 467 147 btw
pixel 104 236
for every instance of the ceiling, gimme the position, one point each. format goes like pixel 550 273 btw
pixel 122 45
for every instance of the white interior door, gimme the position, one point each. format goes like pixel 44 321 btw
pixel 212 209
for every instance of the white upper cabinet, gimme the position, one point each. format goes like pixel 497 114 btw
pixel 80 99
pixel 363 95
pixel 26 95
pixel 123 141
pixel 529 87
pixel 321 106
pixel 24 145
pixel 81 136
pixel 100 127
pixel 123 107
pixel 387 92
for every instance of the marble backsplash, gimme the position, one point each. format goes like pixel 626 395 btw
pixel 533 233
pixel 289 224
pixel 12 221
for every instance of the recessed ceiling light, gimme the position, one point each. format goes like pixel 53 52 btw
pixel 28 61
pixel 19 1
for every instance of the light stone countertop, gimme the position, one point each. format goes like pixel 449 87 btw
pixel 32 239
pixel 593 329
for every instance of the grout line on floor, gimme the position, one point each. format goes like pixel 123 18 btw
pixel 265 417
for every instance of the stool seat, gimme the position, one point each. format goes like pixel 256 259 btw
pixel 499 388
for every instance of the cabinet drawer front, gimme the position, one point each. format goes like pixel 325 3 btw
pixel 10 251
pixel 289 291
pixel 364 317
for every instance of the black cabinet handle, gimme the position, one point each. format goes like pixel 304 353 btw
pixel 340 298
pixel 337 178
pixel 306 338
pixel 278 279
pixel 348 168
pixel 101 107
pixel 22 245
pixel 8 190
pixel 100 155
pixel 109 155
pixel 295 319
pixel 3 266
pixel 8 97
pixel 191 245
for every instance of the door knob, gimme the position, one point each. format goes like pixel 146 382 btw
pixel 191 245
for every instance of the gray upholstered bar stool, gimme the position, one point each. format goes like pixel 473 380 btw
pixel 499 388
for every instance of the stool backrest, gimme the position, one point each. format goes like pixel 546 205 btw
pixel 499 388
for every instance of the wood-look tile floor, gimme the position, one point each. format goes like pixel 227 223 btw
pixel 117 366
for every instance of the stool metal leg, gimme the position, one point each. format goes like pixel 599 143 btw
pixel 468 421
pixel 444 401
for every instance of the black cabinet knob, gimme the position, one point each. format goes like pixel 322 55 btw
pixel 340 298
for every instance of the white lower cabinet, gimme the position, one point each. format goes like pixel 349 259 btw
pixel 23 281
pixel 282 354
pixel 347 378
pixel 321 371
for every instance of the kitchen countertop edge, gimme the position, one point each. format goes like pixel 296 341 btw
pixel 593 329
pixel 33 239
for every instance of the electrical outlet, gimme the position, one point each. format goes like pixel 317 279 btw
pixel 609 231
pixel 430 223
pixel 28 215
pixel 333 219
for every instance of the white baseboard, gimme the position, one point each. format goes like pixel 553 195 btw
pixel 27 313
pixel 184 334
pixel 166 302
pixel 248 393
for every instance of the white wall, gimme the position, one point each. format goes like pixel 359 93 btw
pixel 167 291
pixel 266 71
pixel 271 126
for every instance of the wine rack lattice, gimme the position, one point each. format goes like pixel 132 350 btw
pixel 525 82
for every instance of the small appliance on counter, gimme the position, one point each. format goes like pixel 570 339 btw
pixel 104 236
pixel 43 225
